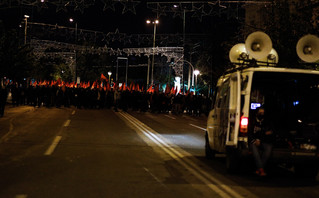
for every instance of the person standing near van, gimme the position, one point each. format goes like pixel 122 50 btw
pixel 3 97
pixel 261 141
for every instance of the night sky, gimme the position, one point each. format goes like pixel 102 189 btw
pixel 94 18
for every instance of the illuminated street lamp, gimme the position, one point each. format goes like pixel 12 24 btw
pixel 25 28
pixel 76 35
pixel 196 72
pixel 155 22
pixel 109 73
pixel 76 28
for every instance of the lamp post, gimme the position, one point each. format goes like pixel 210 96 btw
pixel 155 22
pixel 117 68
pixel 190 74
pixel 76 29
pixel 109 73
pixel 196 72
pixel 25 28
pixel 76 35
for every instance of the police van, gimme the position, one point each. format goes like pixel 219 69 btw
pixel 290 98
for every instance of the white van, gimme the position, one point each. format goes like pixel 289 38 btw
pixel 291 101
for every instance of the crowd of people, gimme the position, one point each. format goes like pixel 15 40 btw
pixel 101 98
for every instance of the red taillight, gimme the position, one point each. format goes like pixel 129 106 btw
pixel 243 125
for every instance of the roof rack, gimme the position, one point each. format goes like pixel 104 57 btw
pixel 249 63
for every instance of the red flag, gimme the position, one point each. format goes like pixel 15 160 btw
pixel 108 87
pixel 131 86
pixel 137 87
pixel 103 77
pixel 172 90
pixel 167 89
pixel 156 90
pixel 115 86
pixel 58 81
pixel 188 91
pixel 150 90
pixel 94 84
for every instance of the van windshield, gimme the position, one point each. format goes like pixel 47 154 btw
pixel 291 101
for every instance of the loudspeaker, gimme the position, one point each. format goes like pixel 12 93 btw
pixel 258 45
pixel 272 57
pixel 236 52
pixel 308 48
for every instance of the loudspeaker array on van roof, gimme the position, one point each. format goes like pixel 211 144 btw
pixel 257 51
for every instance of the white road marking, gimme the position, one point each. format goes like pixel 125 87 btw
pixel 171 117
pixel 181 157
pixel 54 144
pixel 73 112
pixel 198 127
pixel 156 178
pixel 67 123
pixel 21 196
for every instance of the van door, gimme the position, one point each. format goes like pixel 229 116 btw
pixel 218 120
pixel 234 110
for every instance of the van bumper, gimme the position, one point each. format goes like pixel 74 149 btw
pixel 286 155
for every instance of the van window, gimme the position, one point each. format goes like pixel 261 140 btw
pixel 223 94
pixel 214 97
pixel 291 100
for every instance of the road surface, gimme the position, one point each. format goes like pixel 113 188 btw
pixel 68 152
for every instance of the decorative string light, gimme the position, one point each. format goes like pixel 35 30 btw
pixel 177 8
pixel 67 52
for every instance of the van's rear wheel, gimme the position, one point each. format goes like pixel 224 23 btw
pixel 307 170
pixel 209 152
pixel 232 160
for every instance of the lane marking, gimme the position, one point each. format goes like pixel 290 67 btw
pixel 156 178
pixel 210 181
pixel 73 112
pixel 171 117
pixel 67 123
pixel 174 154
pixel 198 127
pixel 54 144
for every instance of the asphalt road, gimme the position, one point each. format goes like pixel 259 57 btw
pixel 71 152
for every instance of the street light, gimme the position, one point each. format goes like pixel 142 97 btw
pixel 196 72
pixel 76 35
pixel 109 73
pixel 25 28
pixel 76 29
pixel 189 74
pixel 155 22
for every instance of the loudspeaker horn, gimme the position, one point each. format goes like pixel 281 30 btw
pixel 258 45
pixel 272 57
pixel 238 51
pixel 308 48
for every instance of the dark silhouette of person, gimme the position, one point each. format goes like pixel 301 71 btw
pixel 261 141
